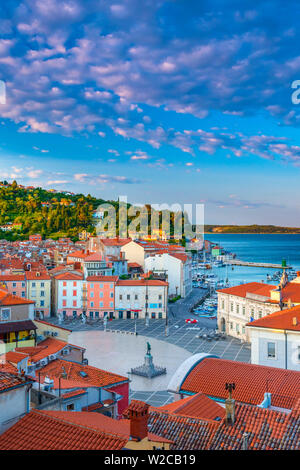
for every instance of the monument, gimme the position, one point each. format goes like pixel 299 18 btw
pixel 148 369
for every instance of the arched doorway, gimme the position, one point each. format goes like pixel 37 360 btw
pixel 223 325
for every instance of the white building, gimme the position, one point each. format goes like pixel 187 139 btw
pixel 137 251
pixel 242 304
pixel 14 398
pixel 140 298
pixel 177 266
pixel 275 339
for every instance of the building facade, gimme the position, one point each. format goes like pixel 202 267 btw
pixel 275 339
pixel 141 298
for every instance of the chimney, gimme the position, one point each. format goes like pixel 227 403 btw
pixel 295 321
pixel 138 416
pixel 230 404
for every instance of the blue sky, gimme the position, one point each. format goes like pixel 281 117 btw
pixel 161 101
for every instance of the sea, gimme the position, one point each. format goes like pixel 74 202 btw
pixel 266 248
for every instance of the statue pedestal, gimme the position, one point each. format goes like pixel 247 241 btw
pixel 148 369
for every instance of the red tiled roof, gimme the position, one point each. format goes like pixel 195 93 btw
pixel 199 406
pixel 44 349
pixel 102 278
pixel 95 377
pixel 9 299
pixel 10 380
pixel 141 282
pixel 36 275
pixel 288 319
pixel 266 429
pixel 186 433
pixel 251 381
pixel 13 356
pixel 94 257
pixel 12 277
pixel 257 288
pixel 115 241
pixel 67 276
pixel 43 430
pixel 74 393
pixel 291 291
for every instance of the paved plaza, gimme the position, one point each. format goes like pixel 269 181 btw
pixel 117 349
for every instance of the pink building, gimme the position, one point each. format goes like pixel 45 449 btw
pixel 101 296
pixel 68 294
pixel 14 283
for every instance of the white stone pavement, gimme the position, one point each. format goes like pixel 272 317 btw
pixel 118 352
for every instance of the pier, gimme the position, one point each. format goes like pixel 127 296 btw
pixel 236 262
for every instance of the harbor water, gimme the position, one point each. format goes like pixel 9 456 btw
pixel 256 248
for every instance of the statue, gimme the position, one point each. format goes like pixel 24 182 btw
pixel 60 318
pixel 148 348
pixel 83 318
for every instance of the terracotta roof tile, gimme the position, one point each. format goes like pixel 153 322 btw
pixel 41 430
pixel 288 319
pixel 252 381
pixel 95 377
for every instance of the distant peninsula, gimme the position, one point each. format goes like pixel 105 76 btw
pixel 251 229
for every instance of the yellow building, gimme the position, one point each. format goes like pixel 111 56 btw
pixel 39 290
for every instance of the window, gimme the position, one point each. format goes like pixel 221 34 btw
pixel 33 284
pixel 64 303
pixel 223 304
pixel 14 293
pixel 42 284
pixel 298 353
pixel 74 293
pixel 111 295
pixel 92 286
pixel 159 297
pixel 42 303
pixel 64 293
pixel 101 294
pixel 231 307
pixel 92 304
pixel 92 294
pixel 42 293
pixel 111 304
pixel 100 304
pixel 70 407
pixel 237 308
pixel 75 284
pixel 120 297
pixel 64 284
pixel 128 297
pixel 260 314
pixel 23 293
pixel 74 303
pixel 136 297
pixel 5 314
pixel 244 310
pixel 14 284
pixel 271 350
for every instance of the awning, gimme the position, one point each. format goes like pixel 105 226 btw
pixel 24 325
